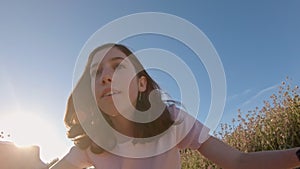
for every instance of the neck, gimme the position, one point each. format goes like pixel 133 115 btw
pixel 122 125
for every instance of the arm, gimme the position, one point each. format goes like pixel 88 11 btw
pixel 230 158
pixel 63 164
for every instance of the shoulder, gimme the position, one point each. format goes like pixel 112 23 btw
pixel 179 114
pixel 189 129
pixel 176 112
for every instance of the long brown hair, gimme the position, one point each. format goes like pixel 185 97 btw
pixel 83 93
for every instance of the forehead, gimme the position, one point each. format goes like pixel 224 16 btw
pixel 107 54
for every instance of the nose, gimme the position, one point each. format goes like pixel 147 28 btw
pixel 106 79
pixel 106 76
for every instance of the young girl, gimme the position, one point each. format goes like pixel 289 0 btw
pixel 118 120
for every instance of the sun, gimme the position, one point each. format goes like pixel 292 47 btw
pixel 26 129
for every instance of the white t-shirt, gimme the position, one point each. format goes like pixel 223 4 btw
pixel 185 133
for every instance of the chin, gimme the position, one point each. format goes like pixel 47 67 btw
pixel 112 112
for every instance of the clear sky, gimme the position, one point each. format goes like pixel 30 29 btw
pixel 257 42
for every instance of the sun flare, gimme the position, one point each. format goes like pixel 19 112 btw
pixel 27 129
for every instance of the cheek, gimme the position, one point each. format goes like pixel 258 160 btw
pixel 128 87
pixel 133 91
pixel 96 89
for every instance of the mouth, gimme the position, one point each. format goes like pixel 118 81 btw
pixel 109 92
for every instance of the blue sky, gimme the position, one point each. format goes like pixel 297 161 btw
pixel 257 42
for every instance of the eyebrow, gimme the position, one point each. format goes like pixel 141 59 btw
pixel 111 60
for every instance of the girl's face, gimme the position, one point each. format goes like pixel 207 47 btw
pixel 114 82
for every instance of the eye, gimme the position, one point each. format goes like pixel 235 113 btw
pixel 119 66
pixel 96 72
pixel 99 71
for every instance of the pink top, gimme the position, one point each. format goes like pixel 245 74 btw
pixel 162 153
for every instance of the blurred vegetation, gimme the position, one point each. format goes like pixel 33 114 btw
pixel 275 126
